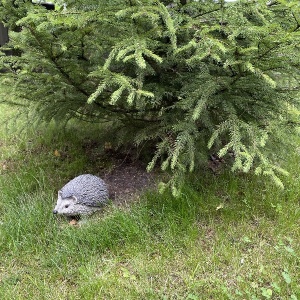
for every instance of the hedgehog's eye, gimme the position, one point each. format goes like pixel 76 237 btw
pixel 66 206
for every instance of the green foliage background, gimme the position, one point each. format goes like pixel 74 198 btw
pixel 184 75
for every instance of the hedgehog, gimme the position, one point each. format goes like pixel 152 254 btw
pixel 83 195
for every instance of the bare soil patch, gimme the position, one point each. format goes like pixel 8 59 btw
pixel 127 181
pixel 125 175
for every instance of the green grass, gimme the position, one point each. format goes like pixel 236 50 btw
pixel 225 237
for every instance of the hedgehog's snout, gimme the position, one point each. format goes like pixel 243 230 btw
pixel 55 212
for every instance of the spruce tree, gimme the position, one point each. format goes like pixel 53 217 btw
pixel 185 75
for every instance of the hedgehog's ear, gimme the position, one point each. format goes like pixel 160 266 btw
pixel 74 198
pixel 59 194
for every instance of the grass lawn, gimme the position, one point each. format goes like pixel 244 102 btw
pixel 226 237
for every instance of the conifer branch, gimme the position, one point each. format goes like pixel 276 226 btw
pixel 179 76
pixel 64 74
pixel 207 12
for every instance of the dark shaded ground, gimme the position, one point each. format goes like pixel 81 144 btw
pixel 127 181
pixel 129 178
pixel 124 173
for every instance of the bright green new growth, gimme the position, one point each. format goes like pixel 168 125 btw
pixel 184 75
